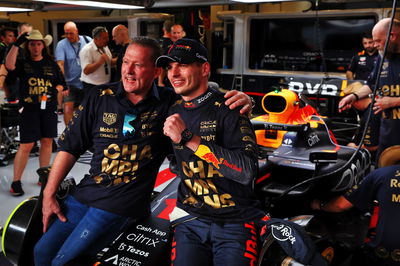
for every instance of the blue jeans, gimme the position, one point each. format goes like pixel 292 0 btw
pixel 87 230
pixel 199 243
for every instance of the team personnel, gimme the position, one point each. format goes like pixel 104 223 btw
pixel 382 185
pixel 123 123
pixel 121 38
pixel 96 60
pixel 217 160
pixel 177 32
pixel 67 57
pixel 363 63
pixel 7 36
pixel 389 102
pixel 40 81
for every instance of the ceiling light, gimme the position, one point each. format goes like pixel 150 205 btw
pixel 92 4
pixel 260 1
pixel 14 9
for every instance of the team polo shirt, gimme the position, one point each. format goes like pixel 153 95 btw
pixel 123 169
pixel 90 54
pixel 216 180
pixel 69 53
pixel 389 85
pixel 382 185
pixel 362 64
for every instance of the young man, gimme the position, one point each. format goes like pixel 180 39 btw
pixel 67 57
pixel 123 123
pixel 363 62
pixel 216 154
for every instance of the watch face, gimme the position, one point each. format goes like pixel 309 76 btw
pixel 186 136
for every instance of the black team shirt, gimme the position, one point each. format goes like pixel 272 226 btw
pixel 123 169
pixel 216 180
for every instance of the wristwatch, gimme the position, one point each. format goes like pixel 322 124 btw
pixel 186 135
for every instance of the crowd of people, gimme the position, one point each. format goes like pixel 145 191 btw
pixel 132 120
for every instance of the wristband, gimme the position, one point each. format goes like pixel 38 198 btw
pixel 357 98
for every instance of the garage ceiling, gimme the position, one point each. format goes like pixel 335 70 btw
pixel 323 4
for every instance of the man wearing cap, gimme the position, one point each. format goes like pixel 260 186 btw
pixel 216 155
pixel 96 60
pixel 40 81
pixel 382 185
pixel 67 57
pixel 123 123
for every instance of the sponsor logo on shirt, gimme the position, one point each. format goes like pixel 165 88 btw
pixel 109 118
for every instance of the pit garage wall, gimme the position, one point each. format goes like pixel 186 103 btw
pixel 39 18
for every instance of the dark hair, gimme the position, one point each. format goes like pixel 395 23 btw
pixel 45 51
pixel 151 43
pixel 167 25
pixel 367 35
pixel 5 29
pixel 98 30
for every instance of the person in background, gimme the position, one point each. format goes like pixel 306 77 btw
pixel 166 38
pixel 382 185
pixel 11 82
pixel 363 62
pixel 67 58
pixel 216 155
pixel 177 32
pixel 388 102
pixel 123 122
pixel 40 81
pixel 7 37
pixel 121 38
pixel 96 60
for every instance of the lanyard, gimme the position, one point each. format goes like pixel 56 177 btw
pixel 76 50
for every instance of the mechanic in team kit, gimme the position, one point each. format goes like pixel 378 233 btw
pixel 216 156
pixel 382 185
pixel 123 123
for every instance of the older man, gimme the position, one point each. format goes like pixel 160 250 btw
pixel 389 102
pixel 96 60
pixel 67 57
pixel 121 38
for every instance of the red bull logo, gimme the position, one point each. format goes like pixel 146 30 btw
pixel 207 155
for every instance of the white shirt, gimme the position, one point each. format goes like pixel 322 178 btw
pixel 89 55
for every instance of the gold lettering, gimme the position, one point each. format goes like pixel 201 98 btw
pixel 48 83
pixel 214 202
pixel 396 113
pixel 199 169
pixel 146 153
pixel 40 82
pixel 109 166
pixel 395 198
pixel 394 182
pixel 126 151
pixel 212 186
pixel 186 170
pixel 33 90
pixel 32 82
pixel 124 167
pixel 385 90
pixel 196 187
pixel 212 171
pixel 113 155
pixel 117 181
pixel 225 200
